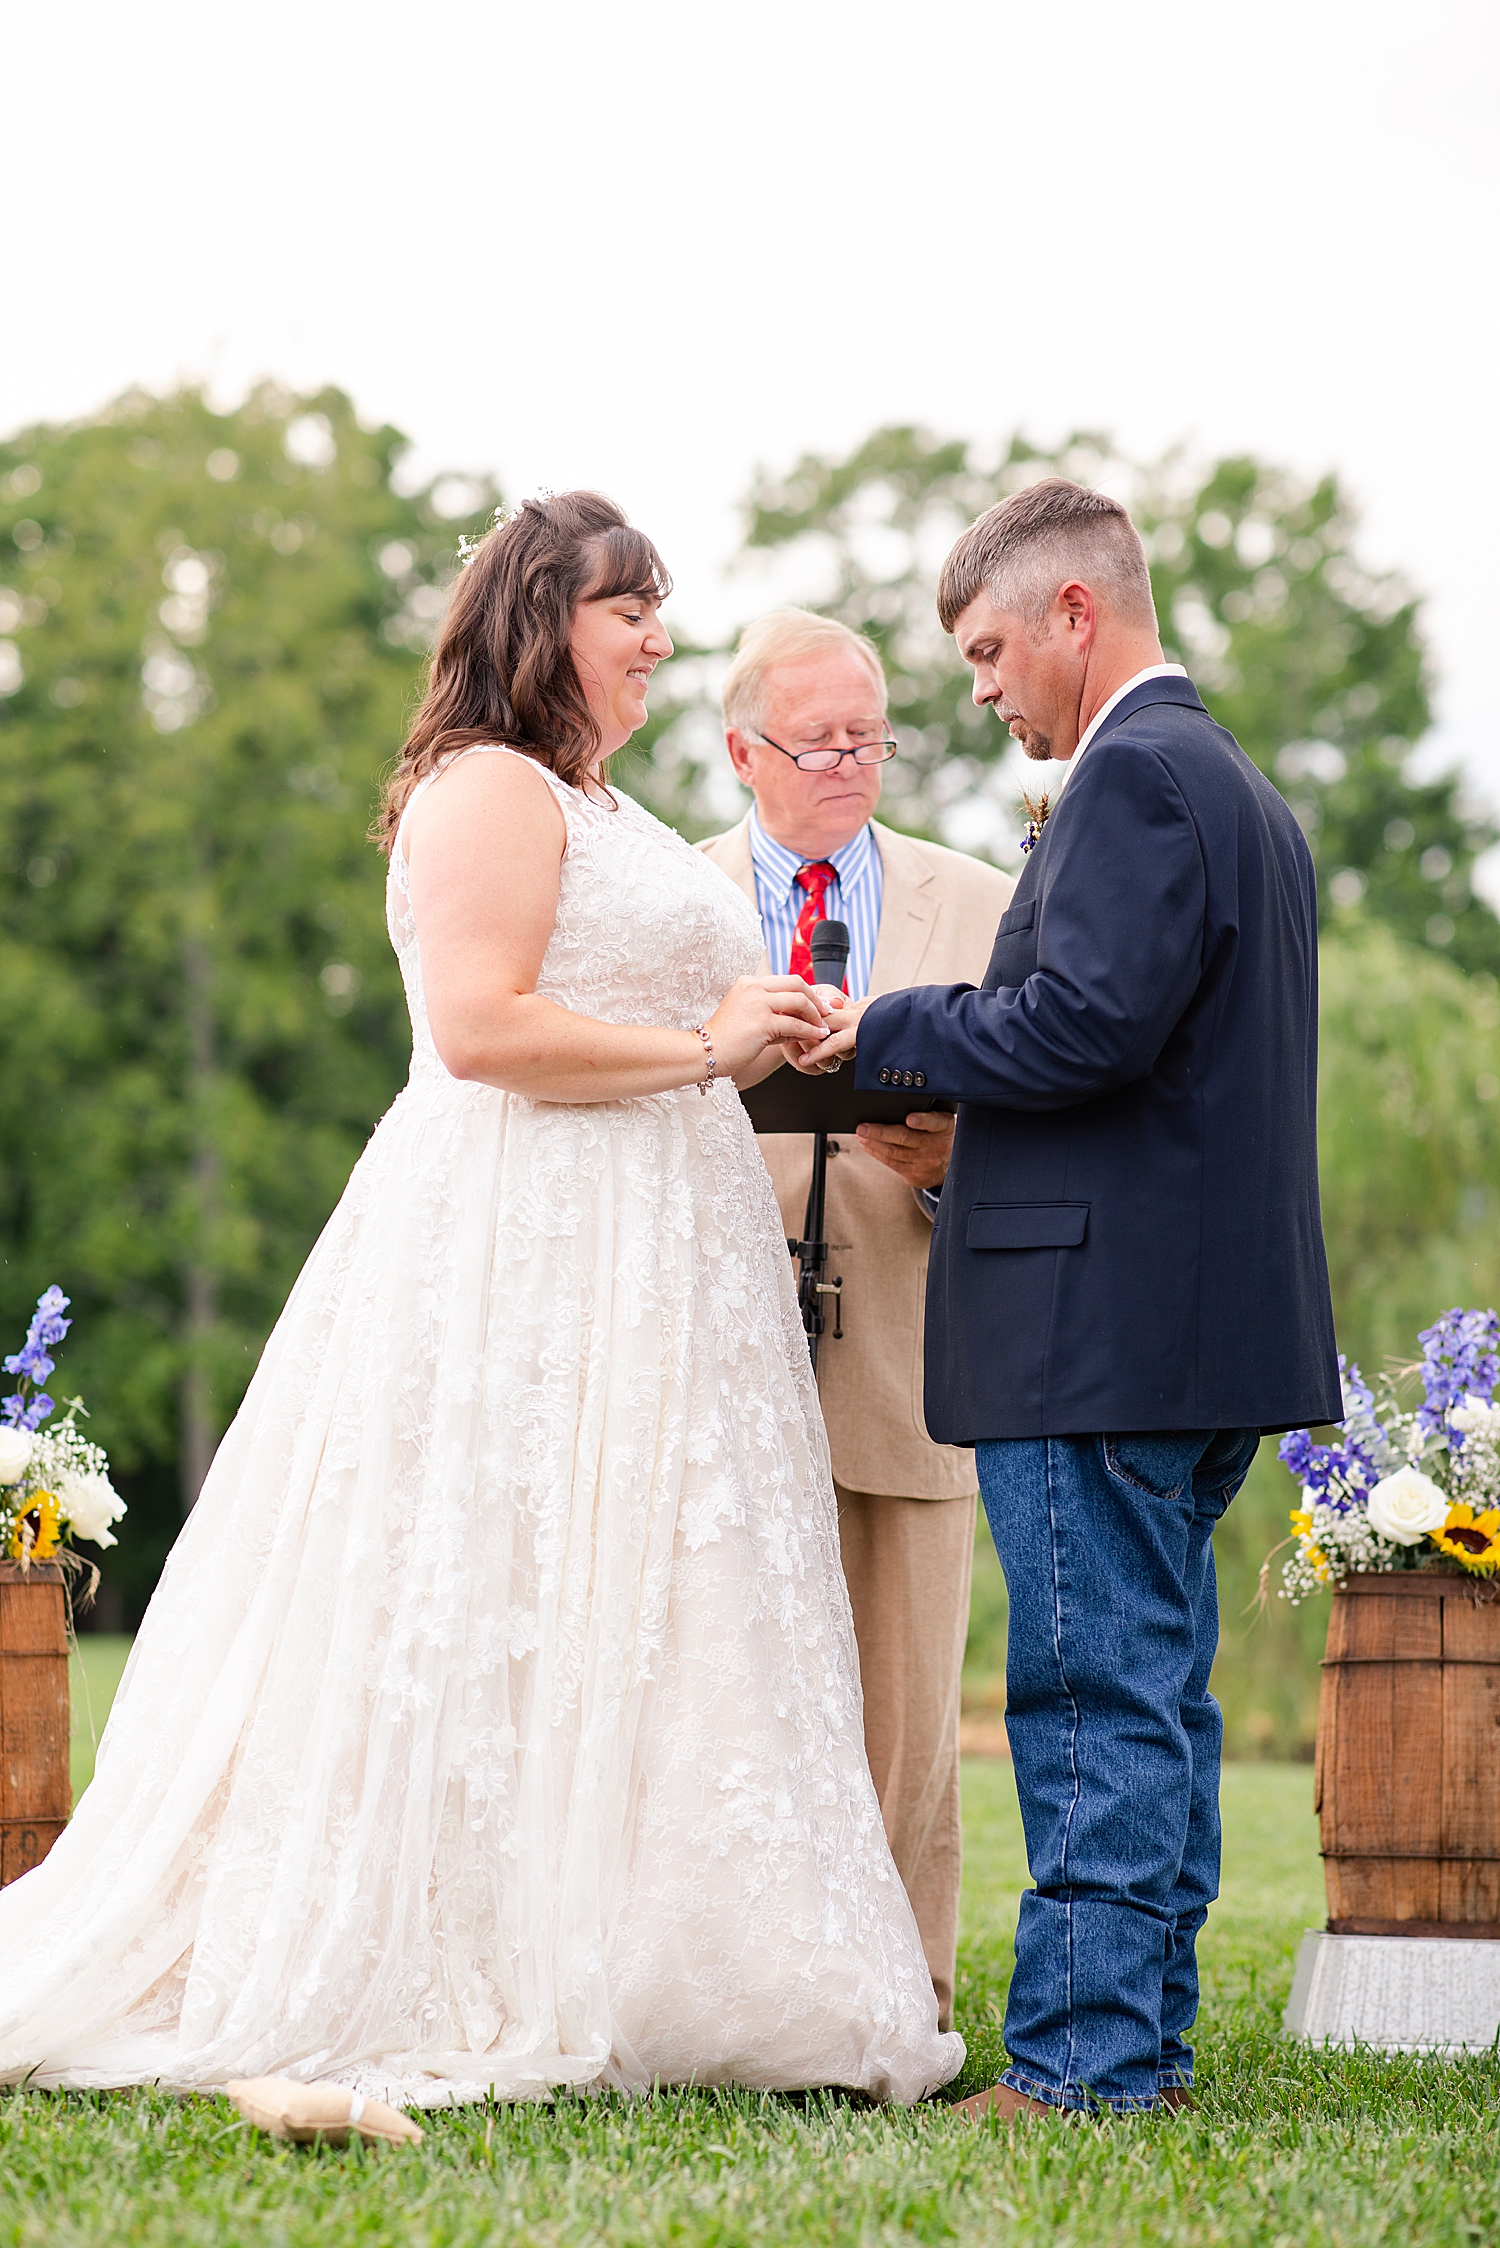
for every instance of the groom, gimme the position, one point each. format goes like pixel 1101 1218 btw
pixel 1127 1286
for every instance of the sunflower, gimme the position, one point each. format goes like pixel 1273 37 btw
pixel 37 1531
pixel 1472 1539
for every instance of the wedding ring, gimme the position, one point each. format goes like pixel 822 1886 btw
pixel 831 1069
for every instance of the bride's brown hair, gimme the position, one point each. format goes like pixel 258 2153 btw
pixel 502 669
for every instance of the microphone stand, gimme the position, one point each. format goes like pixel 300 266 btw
pixel 829 946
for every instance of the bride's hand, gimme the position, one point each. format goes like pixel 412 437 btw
pixel 763 1011
pixel 843 1027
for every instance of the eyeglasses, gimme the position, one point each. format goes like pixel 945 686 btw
pixel 829 760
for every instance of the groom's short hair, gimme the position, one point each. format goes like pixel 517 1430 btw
pixel 1024 550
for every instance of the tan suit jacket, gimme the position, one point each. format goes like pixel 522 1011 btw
pixel 938 915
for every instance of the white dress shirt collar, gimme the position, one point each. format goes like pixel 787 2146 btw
pixel 778 867
pixel 1152 671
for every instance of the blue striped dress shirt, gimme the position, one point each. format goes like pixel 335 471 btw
pixel 853 896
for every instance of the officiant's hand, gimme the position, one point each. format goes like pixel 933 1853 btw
pixel 918 1151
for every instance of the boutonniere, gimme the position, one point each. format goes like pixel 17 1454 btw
pixel 1038 811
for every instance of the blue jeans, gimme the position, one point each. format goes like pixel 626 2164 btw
pixel 1114 1619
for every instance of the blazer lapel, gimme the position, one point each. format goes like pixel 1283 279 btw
pixel 908 913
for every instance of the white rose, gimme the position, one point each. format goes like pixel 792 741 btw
pixel 90 1503
pixel 16 1448
pixel 1406 1505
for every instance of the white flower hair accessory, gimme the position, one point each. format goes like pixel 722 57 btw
pixel 468 548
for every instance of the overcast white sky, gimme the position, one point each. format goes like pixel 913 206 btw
pixel 647 248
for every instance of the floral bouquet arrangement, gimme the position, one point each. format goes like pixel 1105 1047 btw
pixel 1406 1487
pixel 54 1484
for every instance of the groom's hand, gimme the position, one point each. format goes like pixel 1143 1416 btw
pixel 918 1151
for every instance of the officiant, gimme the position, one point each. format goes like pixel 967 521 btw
pixel 805 724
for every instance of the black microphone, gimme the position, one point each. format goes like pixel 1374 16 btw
pixel 829 946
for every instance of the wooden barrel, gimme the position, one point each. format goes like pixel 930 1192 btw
pixel 1408 1760
pixel 35 1792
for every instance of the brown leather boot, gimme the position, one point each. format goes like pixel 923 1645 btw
pixel 1176 2097
pixel 1009 2106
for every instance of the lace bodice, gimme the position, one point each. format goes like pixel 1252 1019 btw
pixel 648 930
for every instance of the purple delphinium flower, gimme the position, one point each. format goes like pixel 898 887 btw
pixel 1460 1358
pixel 19 1411
pixel 1296 1452
pixel 1315 1465
pixel 1363 1431
pixel 1360 1459
pixel 48 1324
pixel 32 1363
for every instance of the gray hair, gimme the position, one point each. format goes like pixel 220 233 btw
pixel 787 636
pixel 1024 550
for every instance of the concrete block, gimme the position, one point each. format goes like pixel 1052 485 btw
pixel 1401 1994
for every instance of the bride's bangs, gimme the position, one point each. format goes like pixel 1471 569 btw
pixel 629 564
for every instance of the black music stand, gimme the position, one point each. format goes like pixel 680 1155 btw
pixel 786 1101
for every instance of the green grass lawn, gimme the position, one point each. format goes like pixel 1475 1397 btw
pixel 93 1674
pixel 1290 2149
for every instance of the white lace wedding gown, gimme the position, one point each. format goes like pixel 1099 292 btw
pixel 496 1722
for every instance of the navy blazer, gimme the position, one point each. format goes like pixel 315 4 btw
pixel 1129 1235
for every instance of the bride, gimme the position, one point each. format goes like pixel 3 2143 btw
pixel 496 1722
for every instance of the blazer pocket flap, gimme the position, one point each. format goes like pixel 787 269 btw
pixel 1015 918
pixel 1028 1225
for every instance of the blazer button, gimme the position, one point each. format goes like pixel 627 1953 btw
pixel 885 1077
pixel 918 1078
pixel 907 1078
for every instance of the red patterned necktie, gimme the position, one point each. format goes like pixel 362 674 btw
pixel 814 879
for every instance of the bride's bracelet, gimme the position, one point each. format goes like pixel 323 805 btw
pixel 708 1048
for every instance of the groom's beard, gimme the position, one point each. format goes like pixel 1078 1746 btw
pixel 1037 745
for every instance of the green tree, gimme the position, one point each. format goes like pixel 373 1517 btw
pixel 210 624
pixel 1409 1137
pixel 1314 662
